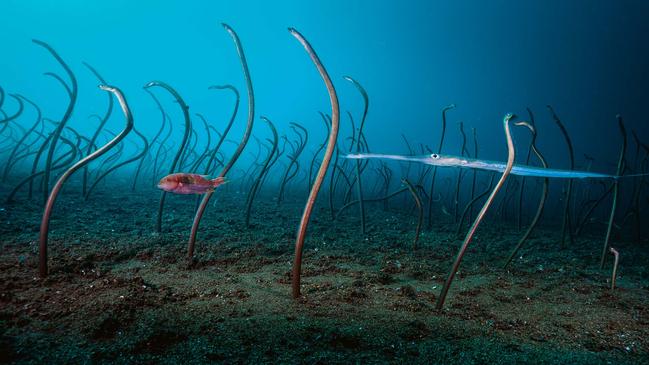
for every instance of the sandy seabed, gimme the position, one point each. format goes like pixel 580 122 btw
pixel 118 293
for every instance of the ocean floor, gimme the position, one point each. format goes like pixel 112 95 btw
pixel 118 293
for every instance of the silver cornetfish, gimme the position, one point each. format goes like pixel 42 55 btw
pixel 472 163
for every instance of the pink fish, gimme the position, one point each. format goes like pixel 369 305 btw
pixel 181 183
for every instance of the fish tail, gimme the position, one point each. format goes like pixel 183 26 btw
pixel 218 181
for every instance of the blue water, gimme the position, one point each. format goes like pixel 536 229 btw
pixel 586 58
pixel 120 290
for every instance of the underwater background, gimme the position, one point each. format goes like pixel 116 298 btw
pixel 555 271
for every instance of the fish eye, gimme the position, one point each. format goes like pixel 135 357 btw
pixel 435 156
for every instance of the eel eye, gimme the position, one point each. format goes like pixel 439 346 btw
pixel 435 156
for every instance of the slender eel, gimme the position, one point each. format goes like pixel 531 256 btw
pixel 227 128
pixel 183 144
pixel 138 156
pixel 473 180
pixel 242 145
pixel 633 209
pixel 14 151
pixel 24 152
pixel 359 186
pixel 481 214
pixel 189 149
pixel 72 92
pixel 544 195
pixel 272 163
pixel 382 199
pixel 343 166
pixel 420 207
pixel 471 203
pixel 456 201
pixel 102 122
pixel 616 255
pixel 423 171
pixel 566 225
pixel 410 153
pixel 510 189
pixel 332 183
pixel 156 167
pixel 294 159
pixel 45 222
pixel 21 108
pixel 155 138
pixel 317 152
pixel 616 189
pixel 317 183
pixel 264 169
pixel 249 175
pixel 37 158
pixel 58 164
pixel 586 218
pixel 207 147
pixel 108 161
pixel 439 151
pixel 6 119
pixel 387 172
pixel 527 162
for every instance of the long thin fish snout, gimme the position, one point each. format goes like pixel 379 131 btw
pixel 464 162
